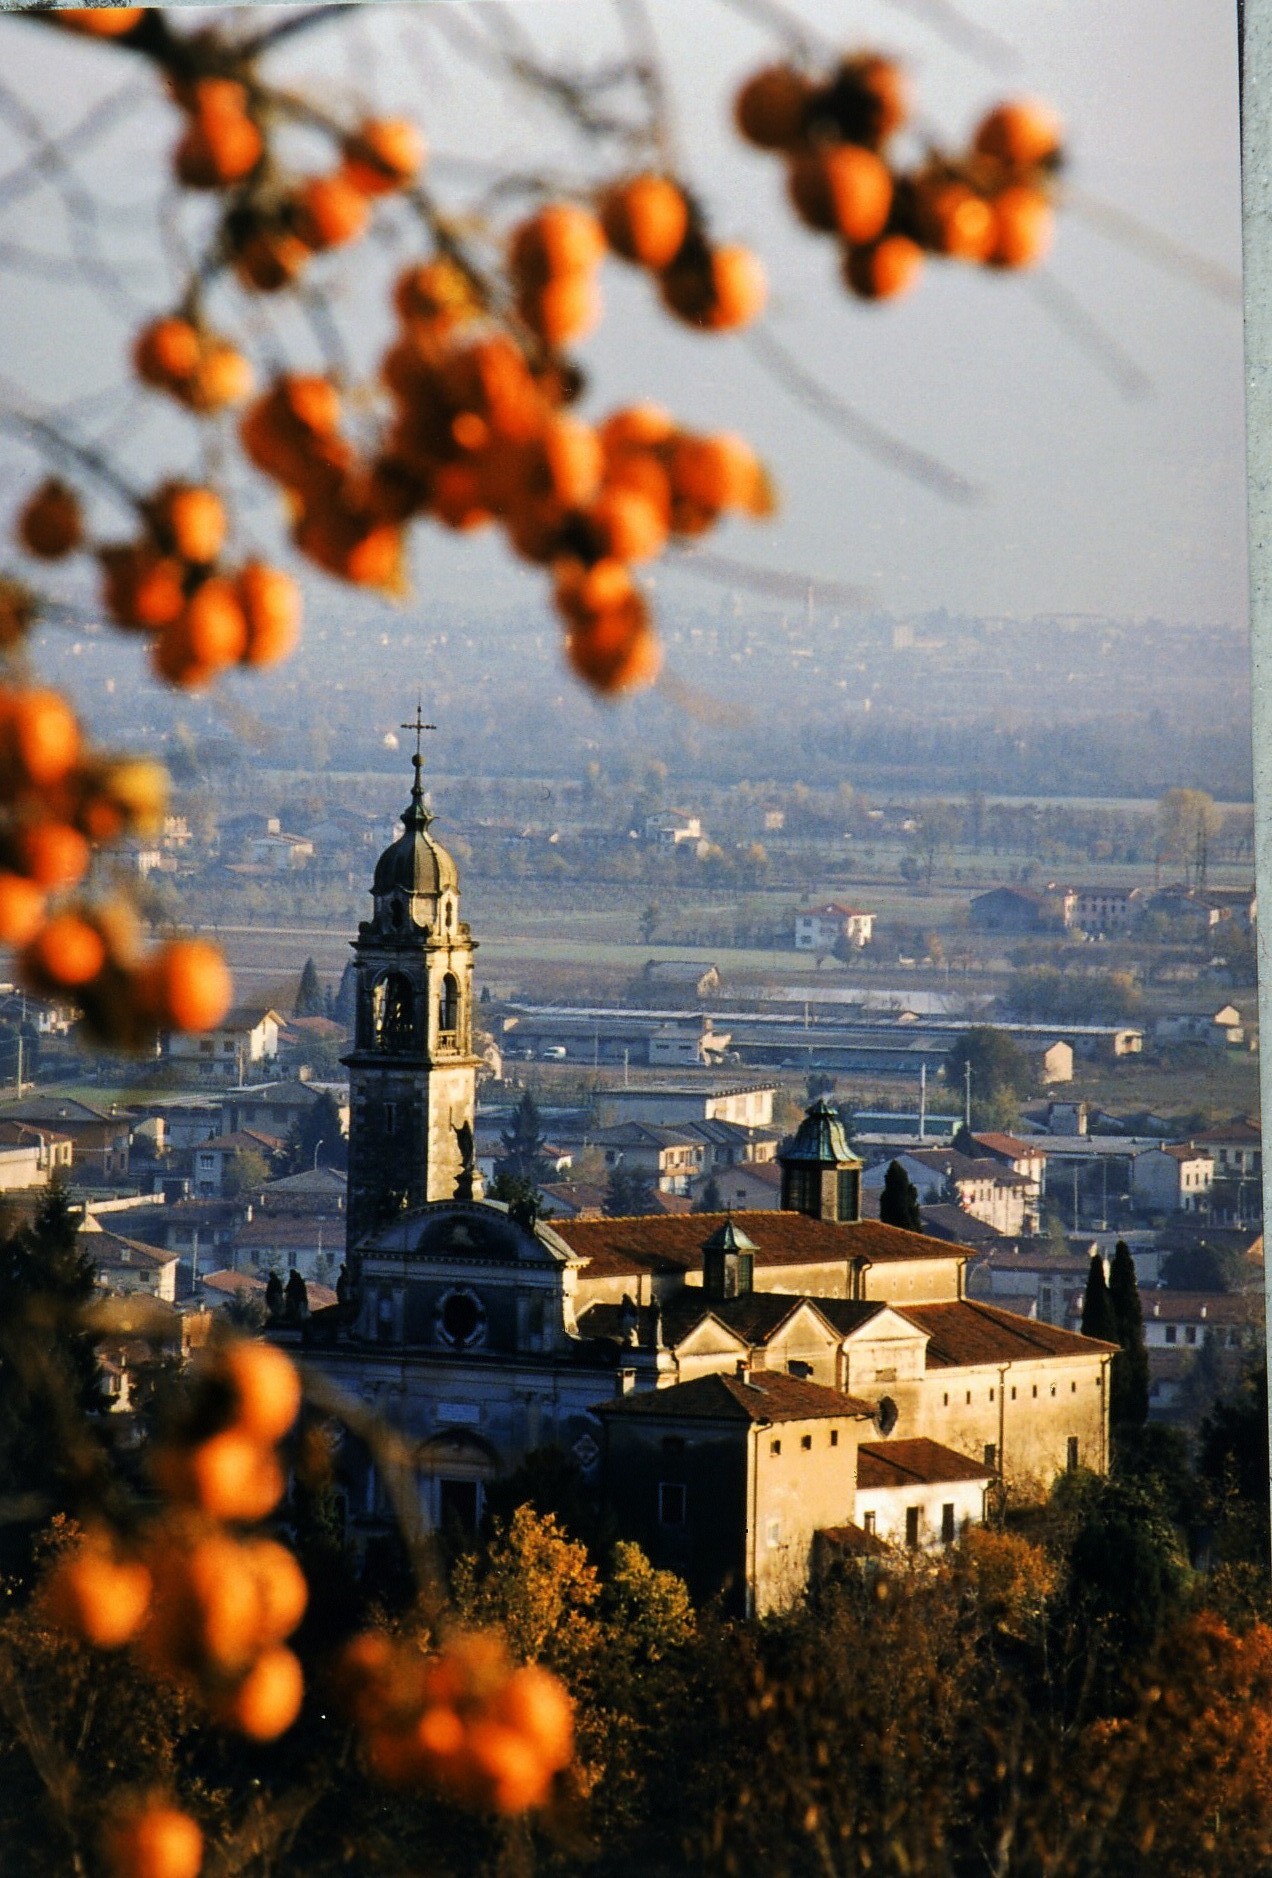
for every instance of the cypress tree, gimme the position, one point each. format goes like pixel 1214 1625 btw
pixel 1097 1312
pixel 523 1142
pixel 309 1002
pixel 899 1200
pixel 710 1200
pixel 1128 1399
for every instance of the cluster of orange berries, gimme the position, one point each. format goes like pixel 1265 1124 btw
pixel 197 1602
pixel 465 1720
pixel 480 434
pixel 167 582
pixel 58 800
pixel 990 206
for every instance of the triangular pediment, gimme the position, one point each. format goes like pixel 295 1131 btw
pixel 884 1326
pixel 709 1337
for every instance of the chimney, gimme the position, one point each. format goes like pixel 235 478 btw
pixel 743 1368
pixel 626 1381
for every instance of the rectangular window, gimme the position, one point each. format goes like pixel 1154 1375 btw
pixel 773 1532
pixel 912 1527
pixel 671 1503
pixel 1013 1392
pixel 969 1397
pixel 947 1523
pixel 806 1441
pixel 1171 1333
pixel 991 1395
pixel 1035 1392
pixel 1190 1333
pixel 834 1437
pixel 1073 1453
pixel 390 1118
pixel 1073 1388
pixel 991 1454
pixel 775 1447
pixel 945 1399
pixel 868 1523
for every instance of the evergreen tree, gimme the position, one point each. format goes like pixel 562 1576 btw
pixel 710 1200
pixel 518 1195
pixel 523 1141
pixel 1098 1319
pixel 629 1193
pixel 50 1379
pixel 1128 1395
pixel 317 1140
pixel 899 1200
pixel 273 1296
pixel 309 1001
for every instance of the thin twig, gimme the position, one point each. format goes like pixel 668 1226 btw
pixel 807 42
pixel 773 583
pixel 965 35
pixel 862 431
pixel 1085 330
pixel 1163 250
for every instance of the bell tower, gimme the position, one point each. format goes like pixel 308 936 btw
pixel 412 1072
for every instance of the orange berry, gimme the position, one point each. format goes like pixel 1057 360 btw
pixel 67 952
pixel 193 519
pixel 271 605
pixel 166 353
pixel 158 1842
pixel 771 107
pixel 888 268
pixel 637 426
pixel 845 189
pixel 100 22
pixel 384 155
pixel 42 736
pixel 954 220
pixel 268 1699
pixel 562 239
pixel 573 460
pixel 138 789
pixel 188 986
pixel 509 1772
pixel 1024 225
pixel 222 377
pixel 232 1477
pixel 215 627
pixel 269 259
pixel 266 1388
pixel 631 524
pixel 584 593
pixel 51 523
pixel 1022 135
pixel 53 854
pixel 866 101
pixel 100 1598
pixel 21 909
pixel 352 546
pixel 432 292
pixel 717 293
pixel 282 1590
pixel 645 220
pixel 566 308
pixel 615 649
pixel 172 660
pixel 535 1704
pixel 330 210
pixel 217 150
pixel 719 472
pixel 140 587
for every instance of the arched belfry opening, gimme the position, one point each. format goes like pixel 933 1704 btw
pixel 412 1077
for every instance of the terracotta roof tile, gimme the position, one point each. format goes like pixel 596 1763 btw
pixel 763 1396
pixel 965 1333
pixel 627 1247
pixel 917 1462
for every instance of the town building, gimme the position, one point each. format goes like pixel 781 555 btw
pixel 100 1140
pixel 1102 910
pixel 823 928
pixel 483 1333
pixel 1021 910
pixel 1172 1179
pixel 246 1040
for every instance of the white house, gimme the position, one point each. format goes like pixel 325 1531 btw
pixel 918 1494
pixel 244 1040
pixel 1173 1179
pixel 822 928
pixel 668 828
pixel 986 1189
pixel 1107 909
pixel 682 1045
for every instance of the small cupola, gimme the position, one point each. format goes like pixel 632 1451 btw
pixel 821 1176
pixel 728 1264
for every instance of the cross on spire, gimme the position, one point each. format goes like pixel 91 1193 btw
pixel 418 725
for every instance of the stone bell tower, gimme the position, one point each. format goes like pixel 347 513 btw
pixel 412 1072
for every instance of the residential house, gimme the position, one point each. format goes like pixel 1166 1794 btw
pixel 279 851
pixel 985 1188
pixel 31 1156
pixel 100 1140
pixel 823 928
pixel 673 828
pixel 669 1156
pixel 1025 1158
pixel 246 1039
pixel 277 1107
pixel 747 1103
pixel 1102 910
pixel 1021 910
pixel 689 975
pixel 1173 1179
pixel 125 1267
pixel 676 1046
pixel 1179 1326
pixel 213 1160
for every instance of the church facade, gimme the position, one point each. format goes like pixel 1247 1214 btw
pixel 482 1334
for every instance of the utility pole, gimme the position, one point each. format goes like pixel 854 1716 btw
pixel 967 1096
pixel 922 1100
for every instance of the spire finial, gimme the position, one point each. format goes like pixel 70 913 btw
pixel 417 811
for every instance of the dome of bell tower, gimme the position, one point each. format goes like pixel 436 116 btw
pixel 415 864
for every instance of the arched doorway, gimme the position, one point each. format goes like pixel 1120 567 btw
pixel 454 1466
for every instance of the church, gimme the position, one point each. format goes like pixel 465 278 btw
pixel 750 1392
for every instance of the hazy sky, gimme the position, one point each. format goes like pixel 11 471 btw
pixel 1093 503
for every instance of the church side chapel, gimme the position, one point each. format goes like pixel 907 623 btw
pixel 751 1393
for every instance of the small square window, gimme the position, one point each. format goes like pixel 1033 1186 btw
pixel 773 1532
pixel 775 1447
pixel 806 1442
